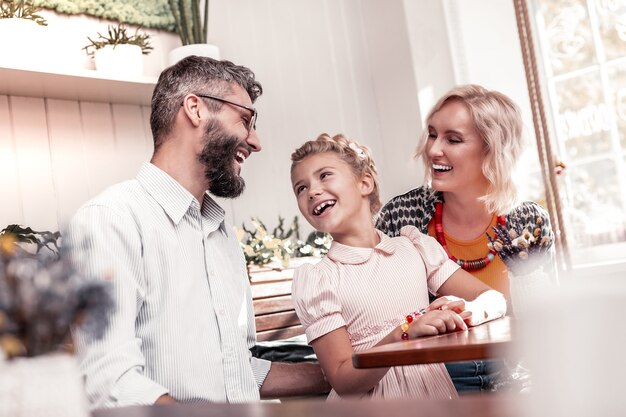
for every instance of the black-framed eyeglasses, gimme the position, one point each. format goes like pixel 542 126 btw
pixel 251 123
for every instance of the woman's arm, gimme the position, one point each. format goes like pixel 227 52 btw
pixel 484 303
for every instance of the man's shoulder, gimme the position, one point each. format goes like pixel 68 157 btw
pixel 124 197
pixel 118 195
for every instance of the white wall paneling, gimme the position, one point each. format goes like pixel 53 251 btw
pixel 11 201
pixel 32 152
pixel 365 68
pixel 132 144
pixel 67 157
pixel 100 154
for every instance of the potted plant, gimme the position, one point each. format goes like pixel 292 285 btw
pixel 21 23
pixel 21 10
pixel 191 19
pixel 41 297
pixel 119 53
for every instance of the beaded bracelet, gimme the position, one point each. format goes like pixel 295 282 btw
pixel 408 320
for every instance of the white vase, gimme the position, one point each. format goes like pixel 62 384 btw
pixel 120 60
pixel 200 49
pixel 47 385
pixel 525 288
pixel 24 44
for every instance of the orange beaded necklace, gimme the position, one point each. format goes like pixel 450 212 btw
pixel 471 265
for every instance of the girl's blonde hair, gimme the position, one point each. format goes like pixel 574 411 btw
pixel 498 120
pixel 357 156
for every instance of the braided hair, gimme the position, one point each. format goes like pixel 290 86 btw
pixel 357 156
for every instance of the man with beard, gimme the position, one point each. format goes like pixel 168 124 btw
pixel 183 325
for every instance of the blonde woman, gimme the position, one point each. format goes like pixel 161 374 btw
pixel 470 145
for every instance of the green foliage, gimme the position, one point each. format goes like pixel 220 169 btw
pixel 261 247
pixel 21 9
pixel 154 14
pixel 191 20
pixel 118 35
pixel 28 236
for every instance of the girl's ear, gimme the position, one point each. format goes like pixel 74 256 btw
pixel 366 184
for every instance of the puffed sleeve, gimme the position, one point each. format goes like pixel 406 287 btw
pixel 436 262
pixel 316 302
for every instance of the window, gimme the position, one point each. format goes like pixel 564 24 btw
pixel 583 50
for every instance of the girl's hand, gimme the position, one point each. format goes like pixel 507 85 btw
pixel 437 322
pixel 448 302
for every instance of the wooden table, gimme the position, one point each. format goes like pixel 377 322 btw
pixel 489 340
pixel 467 406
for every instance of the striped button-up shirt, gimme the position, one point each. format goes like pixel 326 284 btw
pixel 183 323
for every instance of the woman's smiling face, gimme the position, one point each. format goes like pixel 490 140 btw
pixel 455 150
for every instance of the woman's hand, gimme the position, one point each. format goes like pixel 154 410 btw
pixel 448 302
pixel 437 322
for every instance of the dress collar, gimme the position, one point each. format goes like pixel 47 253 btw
pixel 351 255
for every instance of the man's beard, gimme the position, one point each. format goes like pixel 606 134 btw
pixel 218 158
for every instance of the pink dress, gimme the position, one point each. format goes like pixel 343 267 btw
pixel 370 291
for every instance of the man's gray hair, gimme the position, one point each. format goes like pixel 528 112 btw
pixel 199 75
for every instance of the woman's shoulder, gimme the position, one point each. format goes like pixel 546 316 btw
pixel 527 212
pixel 420 196
pixel 532 217
pixel 415 207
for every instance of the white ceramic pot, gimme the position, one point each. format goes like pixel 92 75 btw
pixel 200 49
pixel 120 60
pixel 24 44
pixel 48 385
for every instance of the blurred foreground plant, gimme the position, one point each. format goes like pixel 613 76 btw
pixel 42 295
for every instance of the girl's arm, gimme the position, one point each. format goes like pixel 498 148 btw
pixel 334 351
pixel 463 284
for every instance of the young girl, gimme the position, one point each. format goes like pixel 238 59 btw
pixel 361 293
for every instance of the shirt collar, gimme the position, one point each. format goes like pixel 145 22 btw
pixel 176 200
pixel 353 255
pixel 213 214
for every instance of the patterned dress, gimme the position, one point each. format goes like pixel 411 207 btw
pixel 369 291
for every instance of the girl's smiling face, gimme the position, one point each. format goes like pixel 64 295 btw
pixel 330 196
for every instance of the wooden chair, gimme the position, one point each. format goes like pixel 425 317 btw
pixel 274 312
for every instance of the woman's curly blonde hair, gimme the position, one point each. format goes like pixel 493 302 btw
pixel 357 156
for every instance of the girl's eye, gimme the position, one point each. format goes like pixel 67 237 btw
pixel 432 135
pixel 324 175
pixel 300 189
pixel 454 139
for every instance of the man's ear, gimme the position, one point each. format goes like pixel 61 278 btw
pixel 191 108
pixel 366 184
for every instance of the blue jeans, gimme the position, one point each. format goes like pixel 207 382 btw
pixel 474 376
